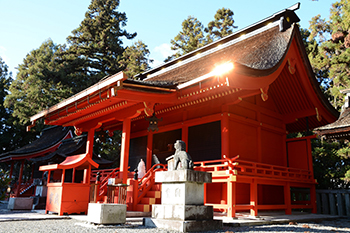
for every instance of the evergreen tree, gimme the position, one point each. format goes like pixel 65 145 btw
pixel 12 134
pixel 221 26
pixel 39 84
pixel 332 59
pixel 190 38
pixel 135 59
pixel 5 80
pixel 95 47
pixel 331 162
pixel 193 32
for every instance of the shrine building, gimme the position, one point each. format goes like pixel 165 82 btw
pixel 233 102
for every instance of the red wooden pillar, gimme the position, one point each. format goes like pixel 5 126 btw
pixel 254 198
pixel 225 135
pixel 313 199
pixel 32 171
pixel 63 176
pixel 11 169
pixel 90 142
pixel 231 197
pixel 149 150
pixel 124 152
pixel 287 198
pixel 20 178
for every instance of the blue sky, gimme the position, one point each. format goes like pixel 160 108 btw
pixel 25 25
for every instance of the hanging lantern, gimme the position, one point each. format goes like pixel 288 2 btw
pixel 153 123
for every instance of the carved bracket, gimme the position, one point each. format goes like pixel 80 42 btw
pixel 264 95
pixel 149 108
pixel 318 116
pixel 78 131
pixel 291 65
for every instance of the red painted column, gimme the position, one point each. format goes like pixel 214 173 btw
pixel 225 135
pixel 124 151
pixel 287 198
pixel 149 150
pixel 313 199
pixel 90 142
pixel 33 165
pixel 231 197
pixel 254 198
pixel 20 178
pixel 11 169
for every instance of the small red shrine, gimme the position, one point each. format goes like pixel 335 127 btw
pixel 233 102
pixel 48 142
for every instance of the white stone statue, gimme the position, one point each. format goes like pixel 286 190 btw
pixel 141 169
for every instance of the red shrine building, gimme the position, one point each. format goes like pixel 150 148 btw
pixel 233 102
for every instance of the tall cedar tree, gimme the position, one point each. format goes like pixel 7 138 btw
pixel 190 38
pixel 222 25
pixel 95 48
pixel 332 59
pixel 12 134
pixel 135 59
pixel 39 83
pixel 5 135
pixel 193 32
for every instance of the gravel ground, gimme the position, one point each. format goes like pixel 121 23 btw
pixel 71 225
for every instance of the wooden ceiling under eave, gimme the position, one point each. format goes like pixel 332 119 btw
pixel 297 95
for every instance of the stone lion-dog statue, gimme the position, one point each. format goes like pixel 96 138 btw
pixel 182 156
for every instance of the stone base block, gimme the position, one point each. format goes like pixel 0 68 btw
pixel 183 176
pixel 183 193
pixel 20 203
pixel 183 226
pixel 182 212
pixel 106 213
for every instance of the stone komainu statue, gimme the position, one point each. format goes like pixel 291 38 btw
pixel 182 156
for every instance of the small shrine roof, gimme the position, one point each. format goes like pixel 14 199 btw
pixel 338 129
pixel 69 147
pixel 50 137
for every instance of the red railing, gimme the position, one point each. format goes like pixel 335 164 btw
pixel 103 173
pixel 228 166
pixel 23 187
pixel 276 172
pixel 147 180
pixel 104 176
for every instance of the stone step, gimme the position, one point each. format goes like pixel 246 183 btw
pixel 156 187
pixel 148 200
pixel 143 208
pixel 154 194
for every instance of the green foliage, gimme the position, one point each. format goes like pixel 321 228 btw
pixel 39 83
pixel 108 146
pixel 332 59
pixel 222 25
pixel 5 114
pixel 12 134
pixel 135 59
pixel 331 164
pixel 4 182
pixel 95 47
pixel 193 32
pixel 190 38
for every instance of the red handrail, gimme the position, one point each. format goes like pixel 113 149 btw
pixel 146 182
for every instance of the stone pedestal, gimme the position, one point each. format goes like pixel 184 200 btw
pixel 20 203
pixel 182 207
pixel 106 213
